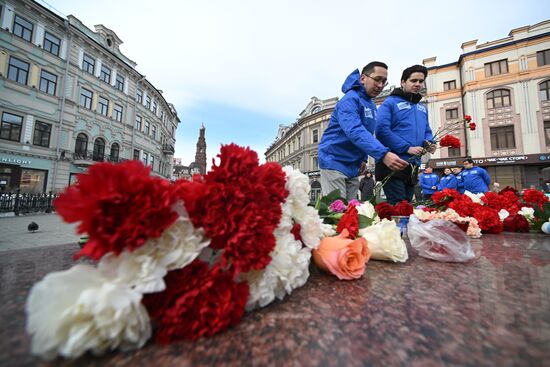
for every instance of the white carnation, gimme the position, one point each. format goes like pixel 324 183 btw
pixel 385 242
pixel 503 214
pixel 297 185
pixel 366 209
pixel 77 310
pixel 476 198
pixel 145 267
pixel 528 213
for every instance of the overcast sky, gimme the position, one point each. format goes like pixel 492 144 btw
pixel 244 67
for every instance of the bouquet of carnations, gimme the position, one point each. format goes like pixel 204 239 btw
pixel 184 260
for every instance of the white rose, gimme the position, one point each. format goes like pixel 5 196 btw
pixel 366 209
pixel 385 242
pixel 73 311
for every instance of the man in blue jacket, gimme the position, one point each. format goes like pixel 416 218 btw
pixel 402 125
pixel 428 181
pixel 447 181
pixel 348 139
pixel 475 179
pixel 457 171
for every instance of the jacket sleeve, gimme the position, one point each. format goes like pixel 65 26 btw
pixel 350 121
pixel 428 135
pixel 486 177
pixel 453 183
pixel 362 184
pixel 423 183
pixel 384 119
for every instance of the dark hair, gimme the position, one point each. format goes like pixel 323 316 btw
pixel 414 69
pixel 369 68
pixel 469 160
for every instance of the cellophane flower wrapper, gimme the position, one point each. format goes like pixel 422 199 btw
pixel 187 257
pixel 439 240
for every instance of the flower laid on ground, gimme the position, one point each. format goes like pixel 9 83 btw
pixel 190 256
pixel 467 224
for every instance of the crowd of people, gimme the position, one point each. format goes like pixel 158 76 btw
pixel 395 135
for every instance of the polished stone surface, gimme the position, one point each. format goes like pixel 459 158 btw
pixel 493 311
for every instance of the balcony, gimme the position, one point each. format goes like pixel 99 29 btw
pixel 168 149
pixel 81 158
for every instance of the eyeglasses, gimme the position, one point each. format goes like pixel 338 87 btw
pixel 381 81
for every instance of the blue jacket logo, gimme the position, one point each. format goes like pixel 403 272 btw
pixel 421 108
pixel 368 113
pixel 403 106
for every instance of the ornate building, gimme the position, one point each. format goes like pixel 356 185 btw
pixel 69 98
pixel 505 86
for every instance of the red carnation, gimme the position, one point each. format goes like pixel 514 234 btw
pixel 472 126
pixel 467 118
pixel 197 302
pixel 494 200
pixel 534 197
pixel 509 189
pixel 385 210
pixel 403 208
pixel 239 206
pixel 516 223
pixel 349 221
pixel 488 219
pixel 464 206
pixel 119 207
pixel 450 141
pixel 296 228
pixel 445 196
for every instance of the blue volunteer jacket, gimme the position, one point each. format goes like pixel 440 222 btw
pixel 427 181
pixel 348 139
pixel 448 182
pixel 402 124
pixel 476 180
pixel 459 183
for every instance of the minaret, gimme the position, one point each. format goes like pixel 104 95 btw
pixel 200 155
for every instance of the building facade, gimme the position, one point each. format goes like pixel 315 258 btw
pixel 296 144
pixel 505 86
pixel 70 98
pixel 196 167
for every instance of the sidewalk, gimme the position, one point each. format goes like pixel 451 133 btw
pixel 52 231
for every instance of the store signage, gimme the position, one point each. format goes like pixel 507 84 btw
pixel 15 161
pixel 492 161
pixel 502 160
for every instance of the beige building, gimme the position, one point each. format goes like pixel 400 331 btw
pixel 505 86
pixel 296 144
pixel 70 98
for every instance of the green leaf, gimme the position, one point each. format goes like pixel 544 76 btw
pixel 365 221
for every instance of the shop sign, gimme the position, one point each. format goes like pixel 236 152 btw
pixel 15 161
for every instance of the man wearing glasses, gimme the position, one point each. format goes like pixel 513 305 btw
pixel 402 125
pixel 348 139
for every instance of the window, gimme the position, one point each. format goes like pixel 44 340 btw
pixel 502 138
pixel 547 132
pixel 139 96
pixel 543 57
pixel 315 136
pixel 498 98
pixel 117 112
pixel 138 123
pixel 545 91
pixel 496 68
pixel 155 107
pixel 451 84
pixel 315 163
pixel 18 70
pixel 451 114
pixel 10 129
pixel 105 74
pixel 454 152
pixel 148 102
pixel 42 133
pixel 115 149
pixel 86 98
pixel 103 104
pixel 136 154
pixel 22 28
pixel 154 131
pixel 81 145
pixel 119 82
pixel 88 64
pixel 152 162
pixel 51 43
pixel 145 158
pixel 48 82
pixel 99 150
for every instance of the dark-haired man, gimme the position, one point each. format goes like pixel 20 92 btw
pixel 348 139
pixel 475 179
pixel 402 125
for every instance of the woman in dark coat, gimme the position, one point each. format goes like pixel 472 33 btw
pixel 366 186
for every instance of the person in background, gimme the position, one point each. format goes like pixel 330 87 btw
pixel 475 179
pixel 496 187
pixel 447 181
pixel 402 125
pixel 366 186
pixel 457 171
pixel 428 181
pixel 348 139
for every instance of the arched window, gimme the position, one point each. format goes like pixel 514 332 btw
pixel 81 145
pixel 115 149
pixel 315 109
pixel 498 98
pixel 99 150
pixel 545 91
